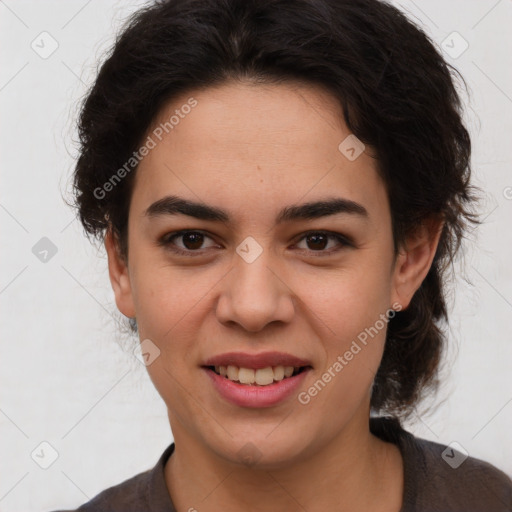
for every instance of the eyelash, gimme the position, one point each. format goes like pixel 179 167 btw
pixel 166 241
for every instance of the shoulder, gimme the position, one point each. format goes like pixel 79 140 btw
pixel 457 481
pixel 128 496
pixel 443 478
pixel 144 491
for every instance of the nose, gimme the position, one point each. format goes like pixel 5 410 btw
pixel 255 294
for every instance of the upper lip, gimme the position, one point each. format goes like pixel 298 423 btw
pixel 255 361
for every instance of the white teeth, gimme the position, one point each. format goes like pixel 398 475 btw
pixel 246 375
pixel 261 376
pixel 288 370
pixel 264 376
pixel 232 372
pixel 279 372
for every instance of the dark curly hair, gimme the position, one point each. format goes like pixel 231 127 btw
pixel 398 97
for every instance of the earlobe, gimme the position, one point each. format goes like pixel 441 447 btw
pixel 119 276
pixel 414 261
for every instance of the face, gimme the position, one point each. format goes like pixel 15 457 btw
pixel 261 275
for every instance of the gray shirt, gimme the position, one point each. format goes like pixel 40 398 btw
pixel 435 480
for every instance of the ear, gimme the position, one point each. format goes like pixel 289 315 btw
pixel 414 261
pixel 119 276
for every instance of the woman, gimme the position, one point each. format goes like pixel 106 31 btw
pixel 280 186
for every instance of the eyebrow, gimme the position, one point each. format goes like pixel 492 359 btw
pixel 174 205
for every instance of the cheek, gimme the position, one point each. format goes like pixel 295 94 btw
pixel 347 301
pixel 166 298
pixel 353 341
pixel 352 308
pixel 172 307
pixel 169 310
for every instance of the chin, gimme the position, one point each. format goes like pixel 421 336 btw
pixel 265 450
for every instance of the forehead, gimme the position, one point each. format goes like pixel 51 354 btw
pixel 255 147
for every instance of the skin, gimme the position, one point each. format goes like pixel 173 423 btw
pixel 252 150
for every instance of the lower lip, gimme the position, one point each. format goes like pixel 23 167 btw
pixel 246 395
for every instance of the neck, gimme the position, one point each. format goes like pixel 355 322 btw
pixel 355 471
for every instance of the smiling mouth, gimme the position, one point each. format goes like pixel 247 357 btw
pixel 259 377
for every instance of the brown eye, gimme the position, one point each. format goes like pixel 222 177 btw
pixel 191 242
pixel 318 242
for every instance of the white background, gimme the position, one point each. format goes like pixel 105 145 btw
pixel 68 376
